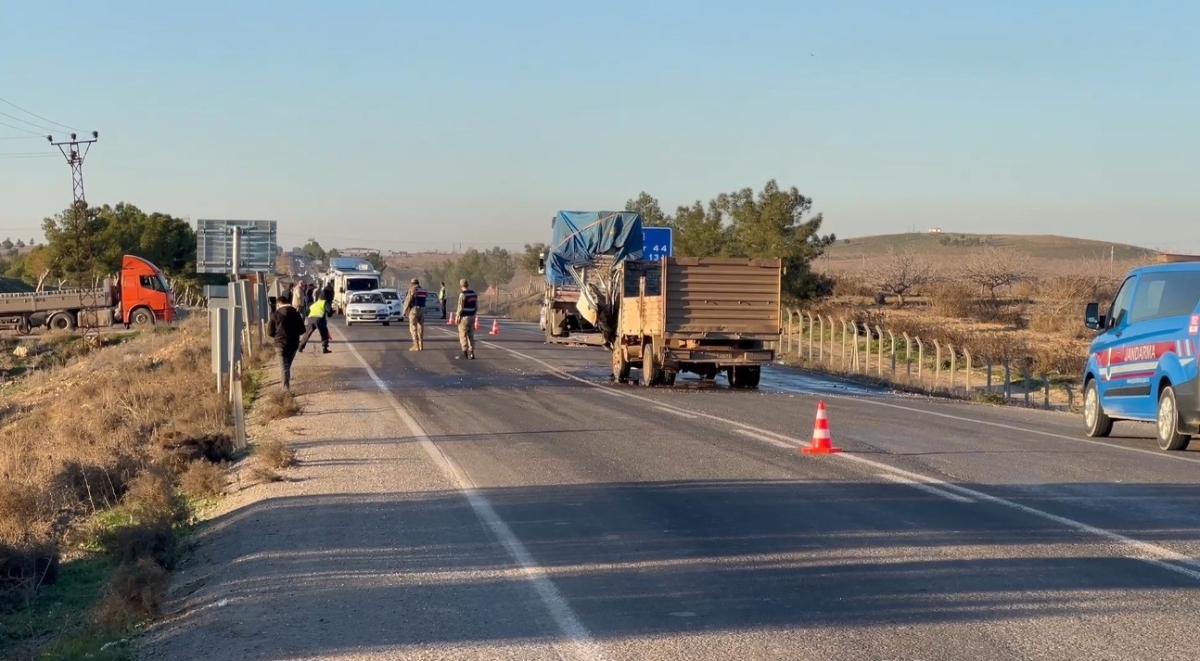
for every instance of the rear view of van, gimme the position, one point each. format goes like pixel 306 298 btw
pixel 1142 363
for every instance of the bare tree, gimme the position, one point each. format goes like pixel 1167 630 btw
pixel 904 272
pixel 994 268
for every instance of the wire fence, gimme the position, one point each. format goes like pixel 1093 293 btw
pixel 911 362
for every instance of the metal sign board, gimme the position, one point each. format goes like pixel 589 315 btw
pixel 657 243
pixel 214 245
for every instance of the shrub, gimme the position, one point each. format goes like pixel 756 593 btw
pixel 202 479
pixel 276 455
pixel 280 404
pixel 135 593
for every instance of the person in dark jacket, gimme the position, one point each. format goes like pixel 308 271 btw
pixel 286 326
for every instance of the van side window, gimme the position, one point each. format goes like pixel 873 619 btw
pixel 1168 294
pixel 1120 308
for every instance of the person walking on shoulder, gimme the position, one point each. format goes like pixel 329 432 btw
pixel 286 326
pixel 414 309
pixel 317 322
pixel 442 299
pixel 468 305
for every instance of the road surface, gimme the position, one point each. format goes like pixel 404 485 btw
pixel 582 519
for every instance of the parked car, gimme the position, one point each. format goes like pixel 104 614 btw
pixel 1142 364
pixel 368 307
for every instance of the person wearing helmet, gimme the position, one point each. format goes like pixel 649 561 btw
pixel 414 309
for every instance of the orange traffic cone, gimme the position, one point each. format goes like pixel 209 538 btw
pixel 451 322
pixel 495 327
pixel 476 322
pixel 822 442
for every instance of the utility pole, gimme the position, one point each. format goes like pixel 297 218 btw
pixel 75 151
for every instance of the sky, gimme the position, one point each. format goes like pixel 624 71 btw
pixel 416 125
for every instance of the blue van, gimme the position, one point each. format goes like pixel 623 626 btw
pixel 1142 364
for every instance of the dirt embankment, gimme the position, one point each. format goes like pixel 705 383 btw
pixel 104 457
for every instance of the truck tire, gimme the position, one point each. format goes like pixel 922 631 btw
pixel 142 317
pixel 24 327
pixel 62 321
pixel 620 365
pixel 744 376
pixel 1167 423
pixel 651 371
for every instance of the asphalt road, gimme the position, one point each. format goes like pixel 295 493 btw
pixel 682 523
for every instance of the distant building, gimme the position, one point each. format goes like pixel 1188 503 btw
pixel 357 252
pixel 935 230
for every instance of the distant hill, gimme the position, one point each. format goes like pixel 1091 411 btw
pixel 11 286
pixel 950 244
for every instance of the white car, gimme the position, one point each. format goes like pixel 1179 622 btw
pixel 396 301
pixel 368 307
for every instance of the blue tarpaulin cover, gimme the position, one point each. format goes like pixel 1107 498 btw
pixel 579 236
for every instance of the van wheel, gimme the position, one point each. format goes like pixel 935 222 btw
pixel 1096 422
pixel 62 321
pixel 1167 423
pixel 142 317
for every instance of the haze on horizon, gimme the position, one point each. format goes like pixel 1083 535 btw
pixel 416 126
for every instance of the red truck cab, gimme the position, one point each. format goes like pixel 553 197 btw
pixel 145 296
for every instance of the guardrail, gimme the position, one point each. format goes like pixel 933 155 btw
pixel 910 362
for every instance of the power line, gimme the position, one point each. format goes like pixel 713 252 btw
pixel 21 137
pixel 18 128
pixel 28 112
pixel 26 121
pixel 75 151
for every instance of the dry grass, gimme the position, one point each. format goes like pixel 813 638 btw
pixel 260 474
pixel 279 404
pixel 275 455
pixel 95 456
pixel 135 593
pixel 202 479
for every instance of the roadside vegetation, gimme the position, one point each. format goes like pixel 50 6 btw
pixel 104 460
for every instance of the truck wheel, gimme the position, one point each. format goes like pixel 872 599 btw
pixel 650 369
pixel 23 326
pixel 620 365
pixel 1096 422
pixel 387 323
pixel 745 376
pixel 142 317
pixel 1167 423
pixel 62 321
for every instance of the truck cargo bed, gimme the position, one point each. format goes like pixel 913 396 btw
pixel 704 297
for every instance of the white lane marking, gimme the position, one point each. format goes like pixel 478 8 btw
pixel 924 486
pixel 677 412
pixel 765 439
pixel 579 638
pixel 1144 551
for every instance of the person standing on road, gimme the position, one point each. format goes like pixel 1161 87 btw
pixel 442 299
pixel 286 326
pixel 299 297
pixel 414 309
pixel 317 322
pixel 468 305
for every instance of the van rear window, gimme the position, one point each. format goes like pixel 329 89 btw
pixel 1165 294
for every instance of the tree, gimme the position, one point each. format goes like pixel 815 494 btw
pixel 20 243
pixel 773 223
pixel 699 232
pixel 528 261
pixel 499 266
pixel 994 268
pixel 648 207
pixel 313 251
pixel 333 253
pixel 6 244
pixel 377 261
pixel 903 272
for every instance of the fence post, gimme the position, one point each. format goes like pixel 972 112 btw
pixel 821 344
pixel 810 335
pixel 953 365
pixel 967 355
pixel 907 356
pixel 1007 378
pixel 866 368
pixel 988 360
pixel 845 336
pixel 892 344
pixel 1046 385
pixel 920 360
pixel 879 334
pixel 787 333
pixel 937 367
pixel 854 362
pixel 1026 377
